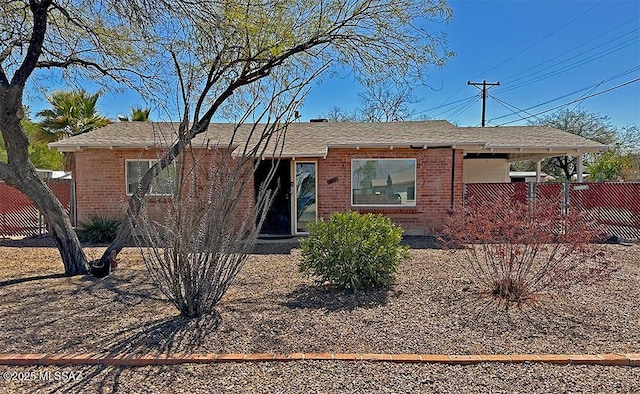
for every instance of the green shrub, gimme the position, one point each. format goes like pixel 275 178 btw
pixel 353 251
pixel 98 230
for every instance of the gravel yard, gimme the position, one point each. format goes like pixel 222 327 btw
pixel 272 308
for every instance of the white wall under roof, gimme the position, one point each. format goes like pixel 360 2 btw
pixel 485 171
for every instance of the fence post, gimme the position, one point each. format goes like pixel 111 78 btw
pixel 531 196
pixel 531 192
pixel 72 204
pixel 464 194
pixel 567 188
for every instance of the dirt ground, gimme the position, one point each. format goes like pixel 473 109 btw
pixel 271 307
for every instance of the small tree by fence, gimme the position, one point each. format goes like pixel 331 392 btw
pixel 20 217
pixel 614 206
pixel 517 252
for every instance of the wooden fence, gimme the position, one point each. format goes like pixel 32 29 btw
pixel 19 217
pixel 616 206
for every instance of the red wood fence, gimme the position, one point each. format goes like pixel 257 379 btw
pixel 616 206
pixel 20 217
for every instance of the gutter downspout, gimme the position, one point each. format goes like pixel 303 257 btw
pixel 453 175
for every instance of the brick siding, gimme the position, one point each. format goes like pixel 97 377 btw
pixel 101 187
pixel 433 188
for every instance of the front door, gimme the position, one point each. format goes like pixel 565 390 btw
pixel 306 193
pixel 278 219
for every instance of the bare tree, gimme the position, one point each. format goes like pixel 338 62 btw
pixel 337 114
pixel 196 250
pixel 584 124
pixel 386 103
pixel 195 59
pixel 380 102
pixel 230 47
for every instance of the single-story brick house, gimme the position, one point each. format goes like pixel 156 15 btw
pixel 412 172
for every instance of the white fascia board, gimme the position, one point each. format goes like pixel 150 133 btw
pixel 424 145
pixel 556 150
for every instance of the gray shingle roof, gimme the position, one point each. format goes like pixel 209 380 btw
pixel 313 139
pixel 531 137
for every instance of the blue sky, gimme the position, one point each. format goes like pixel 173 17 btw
pixel 545 54
pixel 538 50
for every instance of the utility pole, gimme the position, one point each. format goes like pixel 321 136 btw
pixel 484 85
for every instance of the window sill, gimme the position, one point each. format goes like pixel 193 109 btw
pixel 385 210
pixel 156 197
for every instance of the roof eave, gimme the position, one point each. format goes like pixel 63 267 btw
pixel 558 150
pixel 79 147
pixel 413 145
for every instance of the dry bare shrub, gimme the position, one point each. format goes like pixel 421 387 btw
pixel 517 251
pixel 211 221
pixel 209 227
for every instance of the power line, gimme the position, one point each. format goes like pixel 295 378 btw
pixel 634 19
pixel 508 107
pixel 576 100
pixel 567 68
pixel 549 101
pixel 484 85
pixel 588 93
pixel 542 39
pixel 592 87
pixel 463 109
pixel 444 105
pixel 466 102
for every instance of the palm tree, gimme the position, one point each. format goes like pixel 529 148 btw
pixel 138 114
pixel 71 113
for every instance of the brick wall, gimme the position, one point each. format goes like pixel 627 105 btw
pixel 101 189
pixel 433 188
pixel 99 175
pixel 100 181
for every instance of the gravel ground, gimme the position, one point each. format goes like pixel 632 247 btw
pixel 339 377
pixel 272 308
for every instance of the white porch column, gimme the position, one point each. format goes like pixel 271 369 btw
pixel 579 167
pixel 538 170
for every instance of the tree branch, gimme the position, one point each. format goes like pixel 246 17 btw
pixel 3 77
pixel 76 62
pixel 10 47
pixel 39 10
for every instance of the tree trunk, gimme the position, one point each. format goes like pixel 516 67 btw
pixel 20 173
pixel 124 232
pixel 58 223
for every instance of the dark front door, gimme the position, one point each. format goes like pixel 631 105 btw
pixel 278 219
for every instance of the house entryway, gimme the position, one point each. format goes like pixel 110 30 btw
pixel 294 206
pixel 278 219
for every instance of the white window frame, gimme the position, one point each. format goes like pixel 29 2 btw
pixel 395 206
pixel 126 177
pixel 294 201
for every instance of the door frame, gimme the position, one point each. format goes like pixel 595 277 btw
pixel 294 200
pixel 281 168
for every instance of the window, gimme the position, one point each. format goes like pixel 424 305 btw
pixel 385 182
pixel 163 185
pixel 306 208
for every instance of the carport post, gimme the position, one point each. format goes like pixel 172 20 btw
pixel 579 168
